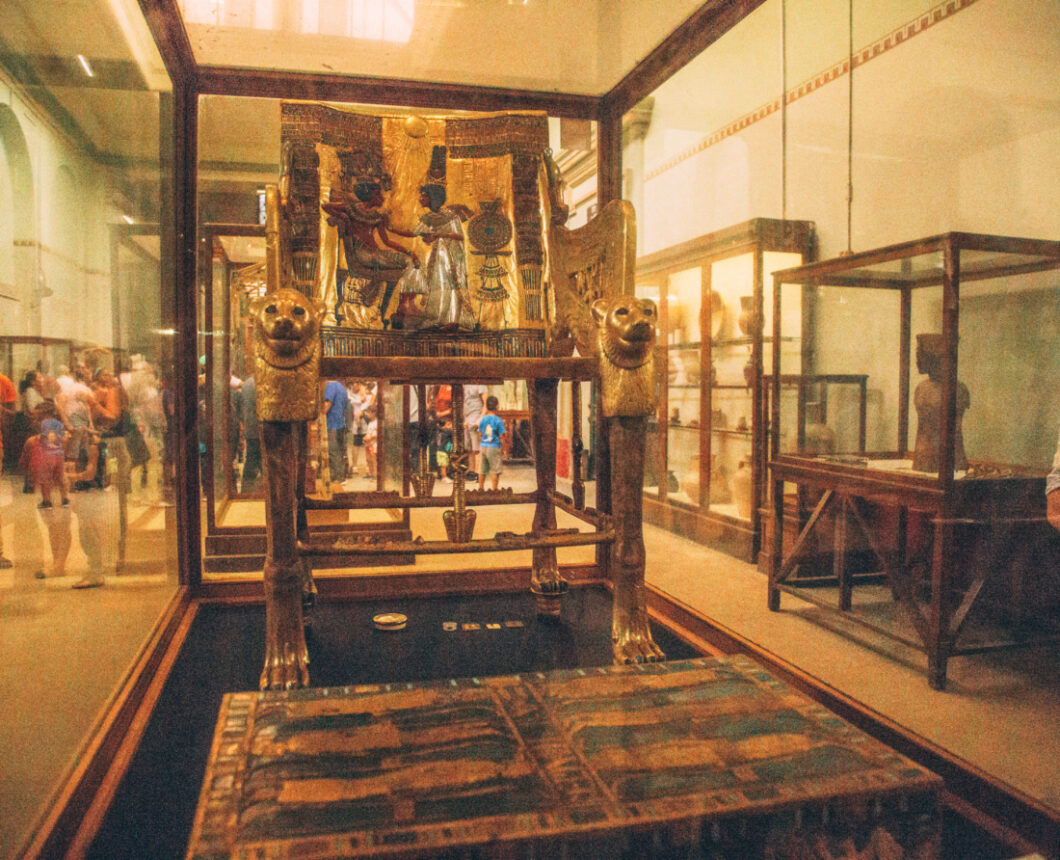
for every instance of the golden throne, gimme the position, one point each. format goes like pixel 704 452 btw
pixel 538 302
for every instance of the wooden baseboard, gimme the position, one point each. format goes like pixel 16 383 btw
pixel 730 536
pixel 1022 822
pixel 73 814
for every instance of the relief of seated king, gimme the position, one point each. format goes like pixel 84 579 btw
pixel 372 257
pixel 379 213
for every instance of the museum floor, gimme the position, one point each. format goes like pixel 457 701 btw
pixel 998 716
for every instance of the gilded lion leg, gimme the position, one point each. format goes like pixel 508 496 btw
pixel 544 574
pixel 309 587
pixel 630 632
pixel 286 656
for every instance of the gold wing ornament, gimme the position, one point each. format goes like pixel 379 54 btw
pixel 287 335
pixel 593 262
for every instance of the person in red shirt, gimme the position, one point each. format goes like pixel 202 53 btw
pixel 8 398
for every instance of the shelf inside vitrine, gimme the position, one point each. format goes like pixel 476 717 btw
pixel 725 431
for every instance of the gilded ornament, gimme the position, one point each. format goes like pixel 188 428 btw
pixel 287 355
pixel 626 338
pixel 416 127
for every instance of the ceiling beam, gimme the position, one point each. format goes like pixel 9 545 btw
pixel 699 31
pixel 223 81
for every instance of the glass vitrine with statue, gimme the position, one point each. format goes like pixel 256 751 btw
pixel 941 497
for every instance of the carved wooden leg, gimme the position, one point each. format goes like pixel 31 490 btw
pixel 286 657
pixel 940 610
pixel 630 632
pixel 309 587
pixel 545 578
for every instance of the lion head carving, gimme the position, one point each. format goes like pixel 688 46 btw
pixel 287 325
pixel 625 328
pixel 287 353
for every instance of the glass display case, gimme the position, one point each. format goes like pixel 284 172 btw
pixel 704 475
pixel 940 476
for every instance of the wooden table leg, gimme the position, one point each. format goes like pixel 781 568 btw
pixel 938 644
pixel 778 546
pixel 286 657
pixel 544 575
pixel 840 568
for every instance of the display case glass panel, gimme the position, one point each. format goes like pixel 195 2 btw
pixel 683 370
pixel 574 48
pixel 963 320
pixel 88 531
pixel 715 306
pixel 233 171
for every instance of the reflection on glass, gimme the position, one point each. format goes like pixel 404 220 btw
pixel 87 527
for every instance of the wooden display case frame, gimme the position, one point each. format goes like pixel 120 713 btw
pixel 1007 504
pixel 734 535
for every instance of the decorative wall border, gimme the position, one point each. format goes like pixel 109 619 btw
pixel 893 39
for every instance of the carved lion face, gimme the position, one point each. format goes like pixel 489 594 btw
pixel 287 322
pixel 627 327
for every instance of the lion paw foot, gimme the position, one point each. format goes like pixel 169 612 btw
pixel 286 656
pixel 636 646
pixel 550 586
pixel 286 668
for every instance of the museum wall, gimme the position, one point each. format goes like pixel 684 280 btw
pixel 949 123
pixel 52 218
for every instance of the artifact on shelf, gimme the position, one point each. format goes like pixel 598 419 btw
pixel 928 402
pixel 689 482
pixel 741 490
pixel 717 314
pixel 691 365
pixel 719 485
pixel 749 321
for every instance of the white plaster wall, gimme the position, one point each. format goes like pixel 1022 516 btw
pixel 67 255
pixel 55 260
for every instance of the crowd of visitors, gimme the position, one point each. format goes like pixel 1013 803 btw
pixel 76 438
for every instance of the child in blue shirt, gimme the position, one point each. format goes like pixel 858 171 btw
pixel 490 428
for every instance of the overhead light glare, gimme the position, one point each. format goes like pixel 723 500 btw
pixel 83 60
pixel 128 219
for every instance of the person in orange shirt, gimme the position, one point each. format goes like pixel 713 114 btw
pixel 443 422
pixel 8 398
